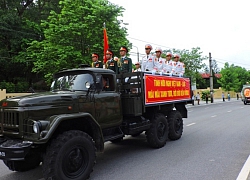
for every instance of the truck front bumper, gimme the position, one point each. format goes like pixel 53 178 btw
pixel 13 149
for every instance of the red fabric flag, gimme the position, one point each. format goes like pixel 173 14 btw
pixel 106 44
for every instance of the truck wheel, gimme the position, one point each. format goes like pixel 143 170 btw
pixel 69 156
pixel 175 124
pixel 245 102
pixel 157 135
pixel 31 161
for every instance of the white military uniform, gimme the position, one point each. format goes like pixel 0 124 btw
pixel 158 64
pixel 147 63
pixel 178 68
pixel 168 67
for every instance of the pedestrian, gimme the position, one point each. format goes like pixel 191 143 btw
pixel 223 97
pixel 111 63
pixel 206 98
pixel 193 97
pixel 237 95
pixel 178 67
pixel 168 65
pixel 137 67
pixel 147 63
pixel 198 98
pixel 95 61
pixel 126 62
pixel 228 96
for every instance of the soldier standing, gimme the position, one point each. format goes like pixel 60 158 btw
pixel 126 63
pixel 158 61
pixel 147 63
pixel 168 65
pixel 95 62
pixel 178 67
pixel 111 63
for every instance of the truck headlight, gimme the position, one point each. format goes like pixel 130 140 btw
pixel 36 127
pixel 39 126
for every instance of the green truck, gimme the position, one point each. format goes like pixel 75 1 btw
pixel 86 107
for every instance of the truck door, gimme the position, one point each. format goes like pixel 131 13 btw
pixel 108 104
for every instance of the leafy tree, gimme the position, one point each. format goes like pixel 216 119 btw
pixel 233 77
pixel 74 33
pixel 19 25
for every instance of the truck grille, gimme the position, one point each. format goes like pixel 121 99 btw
pixel 9 122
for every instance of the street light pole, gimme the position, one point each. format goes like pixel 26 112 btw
pixel 137 52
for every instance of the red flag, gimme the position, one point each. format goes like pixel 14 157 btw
pixel 106 44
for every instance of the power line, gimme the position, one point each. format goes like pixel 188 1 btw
pixel 241 64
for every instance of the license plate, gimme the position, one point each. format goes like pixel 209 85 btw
pixel 2 154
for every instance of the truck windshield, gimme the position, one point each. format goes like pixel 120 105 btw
pixel 76 82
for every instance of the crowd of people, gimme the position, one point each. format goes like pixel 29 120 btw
pixel 153 63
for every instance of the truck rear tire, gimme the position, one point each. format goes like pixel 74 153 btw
pixel 31 161
pixel 70 156
pixel 157 135
pixel 175 124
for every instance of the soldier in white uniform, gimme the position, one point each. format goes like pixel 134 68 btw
pixel 178 67
pixel 158 61
pixel 147 63
pixel 168 65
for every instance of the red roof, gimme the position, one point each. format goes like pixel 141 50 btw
pixel 207 75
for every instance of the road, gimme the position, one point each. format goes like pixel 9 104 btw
pixel 215 145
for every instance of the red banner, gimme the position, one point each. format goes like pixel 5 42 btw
pixel 105 44
pixel 161 89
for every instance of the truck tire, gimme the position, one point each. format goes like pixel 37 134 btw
pixel 175 124
pixel 245 102
pixel 69 156
pixel 157 135
pixel 31 161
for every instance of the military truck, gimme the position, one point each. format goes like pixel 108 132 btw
pixel 64 128
pixel 245 94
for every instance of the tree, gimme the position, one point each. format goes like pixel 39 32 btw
pixel 73 33
pixel 233 77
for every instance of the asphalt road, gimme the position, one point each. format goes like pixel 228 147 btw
pixel 214 146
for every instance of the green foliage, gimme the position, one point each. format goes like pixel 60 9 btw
pixel 74 33
pixel 233 77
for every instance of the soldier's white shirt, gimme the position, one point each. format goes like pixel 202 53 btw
pixel 147 63
pixel 158 64
pixel 178 68
pixel 168 67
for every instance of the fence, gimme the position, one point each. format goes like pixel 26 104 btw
pixel 217 93
pixel 4 95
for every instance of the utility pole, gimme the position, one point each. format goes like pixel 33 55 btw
pixel 137 52
pixel 211 78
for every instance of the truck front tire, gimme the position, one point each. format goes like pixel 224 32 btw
pixel 70 156
pixel 157 135
pixel 175 124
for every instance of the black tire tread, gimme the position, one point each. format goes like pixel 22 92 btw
pixel 54 147
pixel 151 134
pixel 172 115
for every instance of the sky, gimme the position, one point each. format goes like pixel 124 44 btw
pixel 221 27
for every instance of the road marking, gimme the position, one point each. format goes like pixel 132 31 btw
pixel 245 170
pixel 229 111
pixel 214 116
pixel 191 124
